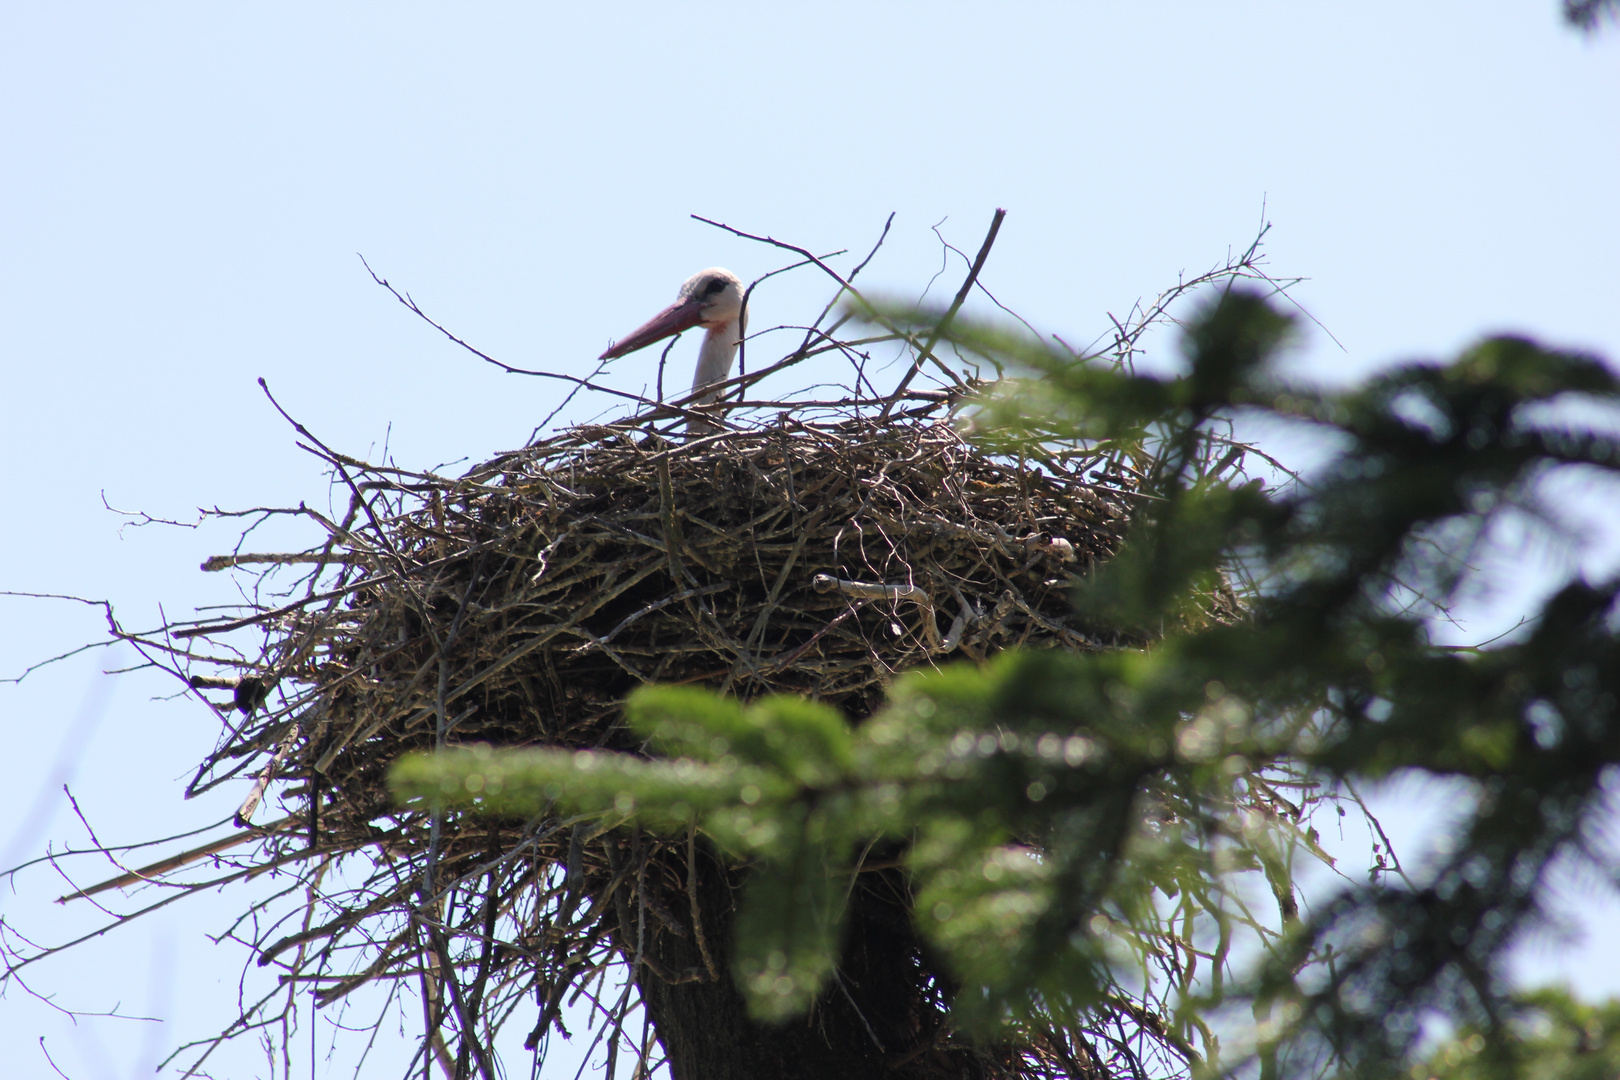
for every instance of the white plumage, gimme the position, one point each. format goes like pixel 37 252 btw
pixel 712 299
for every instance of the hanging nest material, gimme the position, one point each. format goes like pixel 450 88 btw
pixel 815 552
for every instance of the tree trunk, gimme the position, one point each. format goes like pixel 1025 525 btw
pixel 877 1019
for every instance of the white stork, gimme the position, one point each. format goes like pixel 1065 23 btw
pixel 712 299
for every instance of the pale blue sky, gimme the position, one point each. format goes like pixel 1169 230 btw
pixel 183 189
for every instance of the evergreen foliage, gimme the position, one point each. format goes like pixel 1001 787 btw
pixel 1082 828
pixel 1555 1037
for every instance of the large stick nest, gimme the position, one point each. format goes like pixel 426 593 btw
pixel 819 552
pixel 797 559
pixel 519 604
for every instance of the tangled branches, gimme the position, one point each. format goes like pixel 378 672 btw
pixel 756 546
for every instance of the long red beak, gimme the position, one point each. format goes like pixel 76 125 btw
pixel 681 315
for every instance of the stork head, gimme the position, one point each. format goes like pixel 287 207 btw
pixel 711 298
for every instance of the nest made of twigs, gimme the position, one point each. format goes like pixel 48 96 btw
pixel 519 604
pixel 816 560
pixel 779 545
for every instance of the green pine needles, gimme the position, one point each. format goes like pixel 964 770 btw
pixel 1125 827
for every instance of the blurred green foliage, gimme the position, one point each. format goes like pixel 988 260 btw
pixel 1091 828
pixel 1551 1036
pixel 1588 15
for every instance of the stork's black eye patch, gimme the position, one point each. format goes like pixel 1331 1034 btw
pixel 713 287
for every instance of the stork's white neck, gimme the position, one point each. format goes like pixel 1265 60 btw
pixel 715 357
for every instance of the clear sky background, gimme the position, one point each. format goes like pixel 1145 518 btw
pixel 184 189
